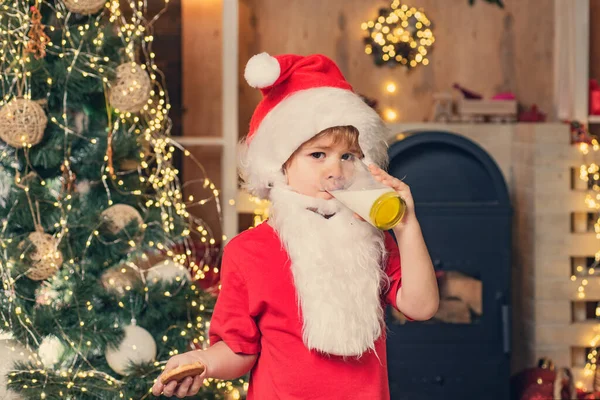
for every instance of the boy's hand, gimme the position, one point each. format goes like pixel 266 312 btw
pixel 358 217
pixel 188 386
pixel 400 187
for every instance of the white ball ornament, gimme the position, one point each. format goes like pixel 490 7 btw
pixel 168 271
pixel 50 351
pixel 10 353
pixel 138 347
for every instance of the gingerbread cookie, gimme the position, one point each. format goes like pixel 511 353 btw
pixel 183 371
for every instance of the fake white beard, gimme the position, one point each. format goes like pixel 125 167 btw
pixel 337 265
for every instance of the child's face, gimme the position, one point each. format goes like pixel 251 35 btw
pixel 318 160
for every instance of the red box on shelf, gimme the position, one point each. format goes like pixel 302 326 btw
pixel 594 97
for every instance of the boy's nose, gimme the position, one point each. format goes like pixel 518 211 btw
pixel 333 177
pixel 334 171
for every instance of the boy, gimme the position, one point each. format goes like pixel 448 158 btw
pixel 303 295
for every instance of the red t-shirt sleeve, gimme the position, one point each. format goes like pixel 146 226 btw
pixel 392 269
pixel 231 320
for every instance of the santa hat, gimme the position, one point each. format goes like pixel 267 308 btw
pixel 302 96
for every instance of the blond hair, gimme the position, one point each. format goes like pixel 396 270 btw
pixel 347 135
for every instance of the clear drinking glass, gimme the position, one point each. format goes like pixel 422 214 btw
pixel 358 190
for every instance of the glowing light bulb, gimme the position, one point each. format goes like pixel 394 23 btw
pixel 390 115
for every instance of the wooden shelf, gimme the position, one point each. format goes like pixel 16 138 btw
pixel 594 119
pixel 199 140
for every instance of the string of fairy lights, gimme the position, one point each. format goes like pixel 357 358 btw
pixel 150 124
pixel 589 174
pixel 400 35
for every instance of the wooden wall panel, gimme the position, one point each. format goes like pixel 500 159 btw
pixel 483 47
pixel 594 39
pixel 248 46
pixel 202 67
pixel 167 46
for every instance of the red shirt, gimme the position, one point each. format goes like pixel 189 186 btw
pixel 257 313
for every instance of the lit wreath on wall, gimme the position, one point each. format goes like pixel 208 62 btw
pixel 401 35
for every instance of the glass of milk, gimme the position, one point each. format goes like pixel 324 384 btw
pixel 358 190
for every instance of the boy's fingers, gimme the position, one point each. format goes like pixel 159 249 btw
pixel 170 389
pixel 183 388
pixel 358 217
pixel 402 184
pixel 157 388
pixel 171 364
pixel 196 385
pixel 376 170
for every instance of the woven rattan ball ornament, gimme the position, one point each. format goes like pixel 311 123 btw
pixel 22 123
pixel 130 91
pixel 84 7
pixel 118 216
pixel 45 258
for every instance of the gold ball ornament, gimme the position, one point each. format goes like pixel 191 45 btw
pixel 22 123
pixel 120 279
pixel 130 91
pixel 138 346
pixel 84 7
pixel 118 216
pixel 45 258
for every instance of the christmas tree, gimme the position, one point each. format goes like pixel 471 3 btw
pixel 96 241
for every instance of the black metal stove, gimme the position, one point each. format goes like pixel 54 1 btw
pixel 463 206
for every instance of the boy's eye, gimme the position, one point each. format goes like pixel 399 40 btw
pixel 318 155
pixel 348 157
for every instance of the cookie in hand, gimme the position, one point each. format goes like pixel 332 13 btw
pixel 183 371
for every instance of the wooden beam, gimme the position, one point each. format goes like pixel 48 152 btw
pixel 571 58
pixel 230 116
pixel 199 140
pixel 582 59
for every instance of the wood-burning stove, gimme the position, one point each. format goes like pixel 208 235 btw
pixel 463 206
